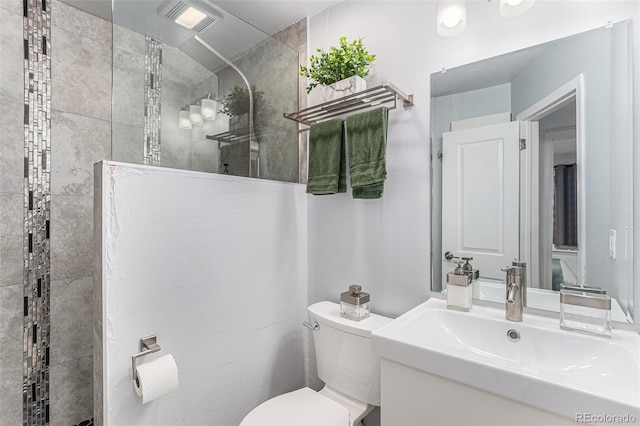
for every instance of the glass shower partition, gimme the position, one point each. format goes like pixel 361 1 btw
pixel 209 98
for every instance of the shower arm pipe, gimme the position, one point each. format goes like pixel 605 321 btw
pixel 244 78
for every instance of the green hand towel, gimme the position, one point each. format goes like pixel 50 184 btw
pixel 327 159
pixel 367 133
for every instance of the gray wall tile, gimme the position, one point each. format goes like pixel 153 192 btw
pixel 11 147
pixel 81 75
pixel 279 157
pixel 77 142
pixel 11 240
pixel 71 320
pixel 71 236
pixel 206 86
pixel 175 95
pixel 178 67
pixel 176 151
pixel 11 56
pixel 14 6
pixel 277 78
pixel 97 296
pixel 11 355
pixel 97 373
pixel 127 40
pixel 79 22
pixel 127 143
pixel 97 242
pixel 81 88
pixel 294 36
pixel 72 392
pixel 204 156
pixel 128 87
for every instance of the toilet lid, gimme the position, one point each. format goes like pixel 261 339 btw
pixel 302 407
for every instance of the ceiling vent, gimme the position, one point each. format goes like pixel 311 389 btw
pixel 178 12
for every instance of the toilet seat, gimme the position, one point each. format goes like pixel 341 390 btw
pixel 301 407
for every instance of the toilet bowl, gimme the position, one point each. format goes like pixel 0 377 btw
pixel 350 370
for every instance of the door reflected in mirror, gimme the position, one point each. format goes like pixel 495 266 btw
pixel 532 160
pixel 558 197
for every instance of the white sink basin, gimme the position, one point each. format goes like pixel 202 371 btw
pixel 556 370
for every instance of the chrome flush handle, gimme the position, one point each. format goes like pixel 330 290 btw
pixel 310 326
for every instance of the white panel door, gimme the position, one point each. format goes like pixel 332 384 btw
pixel 480 202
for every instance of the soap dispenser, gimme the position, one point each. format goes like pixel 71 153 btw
pixel 459 290
pixel 468 269
pixel 474 273
pixel 354 304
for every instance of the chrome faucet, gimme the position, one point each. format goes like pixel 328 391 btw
pixel 516 287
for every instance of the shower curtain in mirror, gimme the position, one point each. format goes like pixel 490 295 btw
pixel 565 206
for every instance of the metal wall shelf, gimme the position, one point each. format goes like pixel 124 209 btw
pixel 380 95
pixel 230 137
pixel 239 136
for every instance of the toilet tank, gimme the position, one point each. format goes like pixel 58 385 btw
pixel 345 360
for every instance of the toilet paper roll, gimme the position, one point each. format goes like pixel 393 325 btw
pixel 156 378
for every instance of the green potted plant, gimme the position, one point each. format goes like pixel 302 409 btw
pixel 342 68
pixel 236 105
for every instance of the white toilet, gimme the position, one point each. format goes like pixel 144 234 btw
pixel 350 370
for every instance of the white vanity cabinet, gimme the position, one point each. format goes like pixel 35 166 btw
pixel 445 367
pixel 412 397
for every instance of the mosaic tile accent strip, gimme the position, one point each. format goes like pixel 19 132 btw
pixel 37 209
pixel 152 100
pixel 86 423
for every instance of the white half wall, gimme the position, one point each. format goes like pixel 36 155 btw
pixel 215 266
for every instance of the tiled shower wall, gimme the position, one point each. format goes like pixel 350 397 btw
pixel 80 52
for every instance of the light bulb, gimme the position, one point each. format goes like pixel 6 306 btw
pixel 451 17
pixel 208 109
pixel 190 18
pixel 194 115
pixel 511 8
pixel 183 120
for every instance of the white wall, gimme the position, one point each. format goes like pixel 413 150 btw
pixel 384 245
pixel 215 266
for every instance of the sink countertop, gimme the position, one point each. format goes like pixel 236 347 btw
pixel 556 370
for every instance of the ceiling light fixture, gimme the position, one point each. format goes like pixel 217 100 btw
pixel 208 108
pixel 451 16
pixel 194 115
pixel 183 120
pixel 511 8
pixel 190 17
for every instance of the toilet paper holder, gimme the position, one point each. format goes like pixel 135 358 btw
pixel 148 345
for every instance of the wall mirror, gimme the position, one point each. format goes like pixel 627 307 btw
pixel 532 160
pixel 207 96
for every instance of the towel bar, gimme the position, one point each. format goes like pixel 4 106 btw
pixel 375 96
